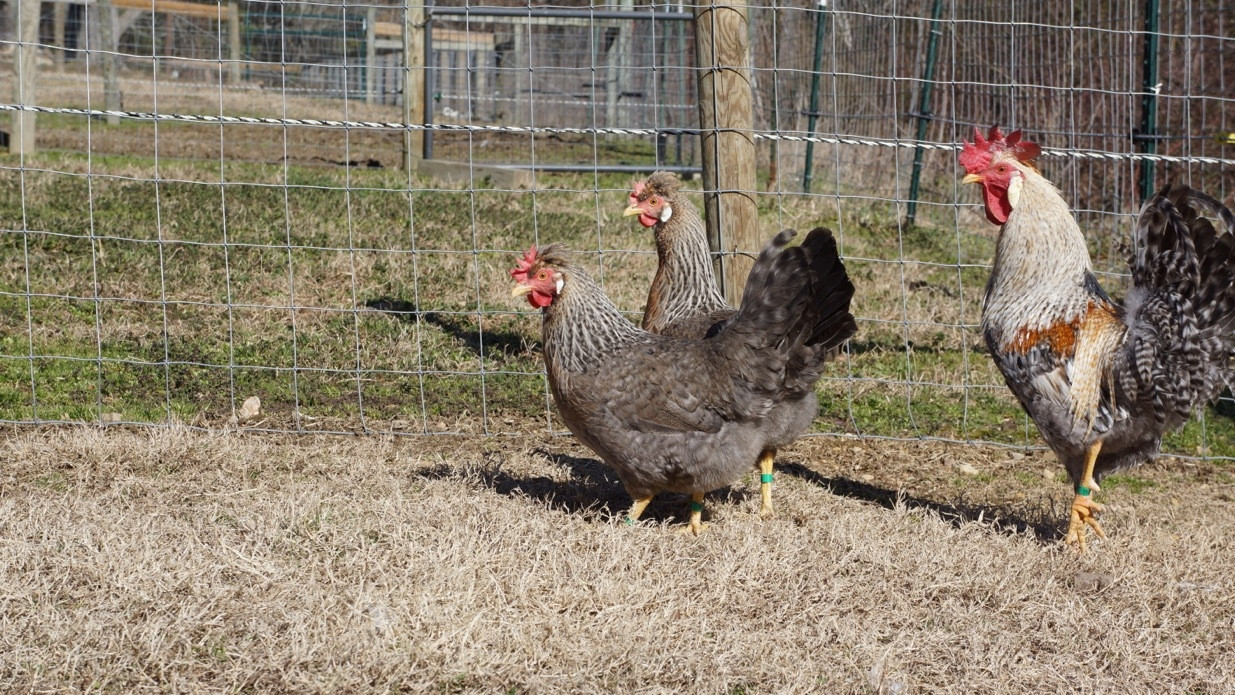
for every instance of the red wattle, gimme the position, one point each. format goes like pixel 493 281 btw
pixel 998 207
pixel 647 220
pixel 539 300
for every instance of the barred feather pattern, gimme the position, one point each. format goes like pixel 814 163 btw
pixel 1135 371
pixel 1181 310
pixel 684 300
pixel 582 345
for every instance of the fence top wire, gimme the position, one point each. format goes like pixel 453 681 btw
pixel 898 143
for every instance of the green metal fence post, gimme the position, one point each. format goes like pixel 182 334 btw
pixel 924 112
pixel 1149 99
pixel 812 116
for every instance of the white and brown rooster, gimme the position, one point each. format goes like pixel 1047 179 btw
pixel 687 415
pixel 1103 382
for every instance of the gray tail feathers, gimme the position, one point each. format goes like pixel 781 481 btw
pixel 796 301
pixel 1180 251
pixel 1181 311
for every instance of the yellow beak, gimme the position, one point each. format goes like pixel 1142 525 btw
pixel 632 210
pixel 520 290
pixel 972 178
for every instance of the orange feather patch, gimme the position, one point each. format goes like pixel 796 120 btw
pixel 1061 336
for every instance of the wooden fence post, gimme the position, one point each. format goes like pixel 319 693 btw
pixel 111 68
pixel 233 40
pixel 21 140
pixel 413 81
pixel 370 55
pixel 726 122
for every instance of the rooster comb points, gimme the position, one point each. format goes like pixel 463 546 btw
pixel 519 273
pixel 976 156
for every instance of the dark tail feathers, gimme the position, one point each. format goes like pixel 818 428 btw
pixel 1178 248
pixel 826 322
pixel 797 301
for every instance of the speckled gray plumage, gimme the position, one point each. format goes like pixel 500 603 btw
pixel 681 415
pixel 1152 361
pixel 684 300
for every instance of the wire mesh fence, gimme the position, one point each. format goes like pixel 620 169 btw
pixel 244 227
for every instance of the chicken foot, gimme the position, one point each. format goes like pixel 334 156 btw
pixel 765 483
pixel 636 509
pixel 1084 510
pixel 696 525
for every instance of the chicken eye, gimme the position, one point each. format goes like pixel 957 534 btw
pixel 1001 169
pixel 653 201
pixel 542 275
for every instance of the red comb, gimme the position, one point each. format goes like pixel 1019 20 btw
pixel 634 195
pixel 977 156
pixel 519 273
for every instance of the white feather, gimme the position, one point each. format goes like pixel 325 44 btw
pixel 1014 190
pixel 665 213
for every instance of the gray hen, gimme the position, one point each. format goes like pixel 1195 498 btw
pixel 683 415
pixel 684 302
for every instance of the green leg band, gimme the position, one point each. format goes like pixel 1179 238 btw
pixel 1083 491
pixel 696 506
pixel 630 521
pixel 765 477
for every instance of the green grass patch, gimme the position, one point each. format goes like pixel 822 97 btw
pixel 347 296
pixel 1127 482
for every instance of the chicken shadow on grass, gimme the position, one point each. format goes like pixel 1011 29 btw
pixel 595 487
pixel 1041 523
pixel 593 491
pixel 460 328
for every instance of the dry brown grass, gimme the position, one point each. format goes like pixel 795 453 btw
pixel 174 560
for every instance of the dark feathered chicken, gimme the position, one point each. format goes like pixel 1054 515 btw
pixel 684 302
pixel 681 415
pixel 1103 382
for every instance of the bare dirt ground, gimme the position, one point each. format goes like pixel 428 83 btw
pixel 171 560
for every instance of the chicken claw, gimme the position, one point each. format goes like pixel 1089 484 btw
pixel 765 484
pixel 696 525
pixel 1084 513
pixel 1084 510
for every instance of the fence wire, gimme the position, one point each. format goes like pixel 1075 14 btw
pixel 239 222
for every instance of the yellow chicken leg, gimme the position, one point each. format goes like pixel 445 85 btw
pixel 765 483
pixel 636 509
pixel 696 514
pixel 1084 510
